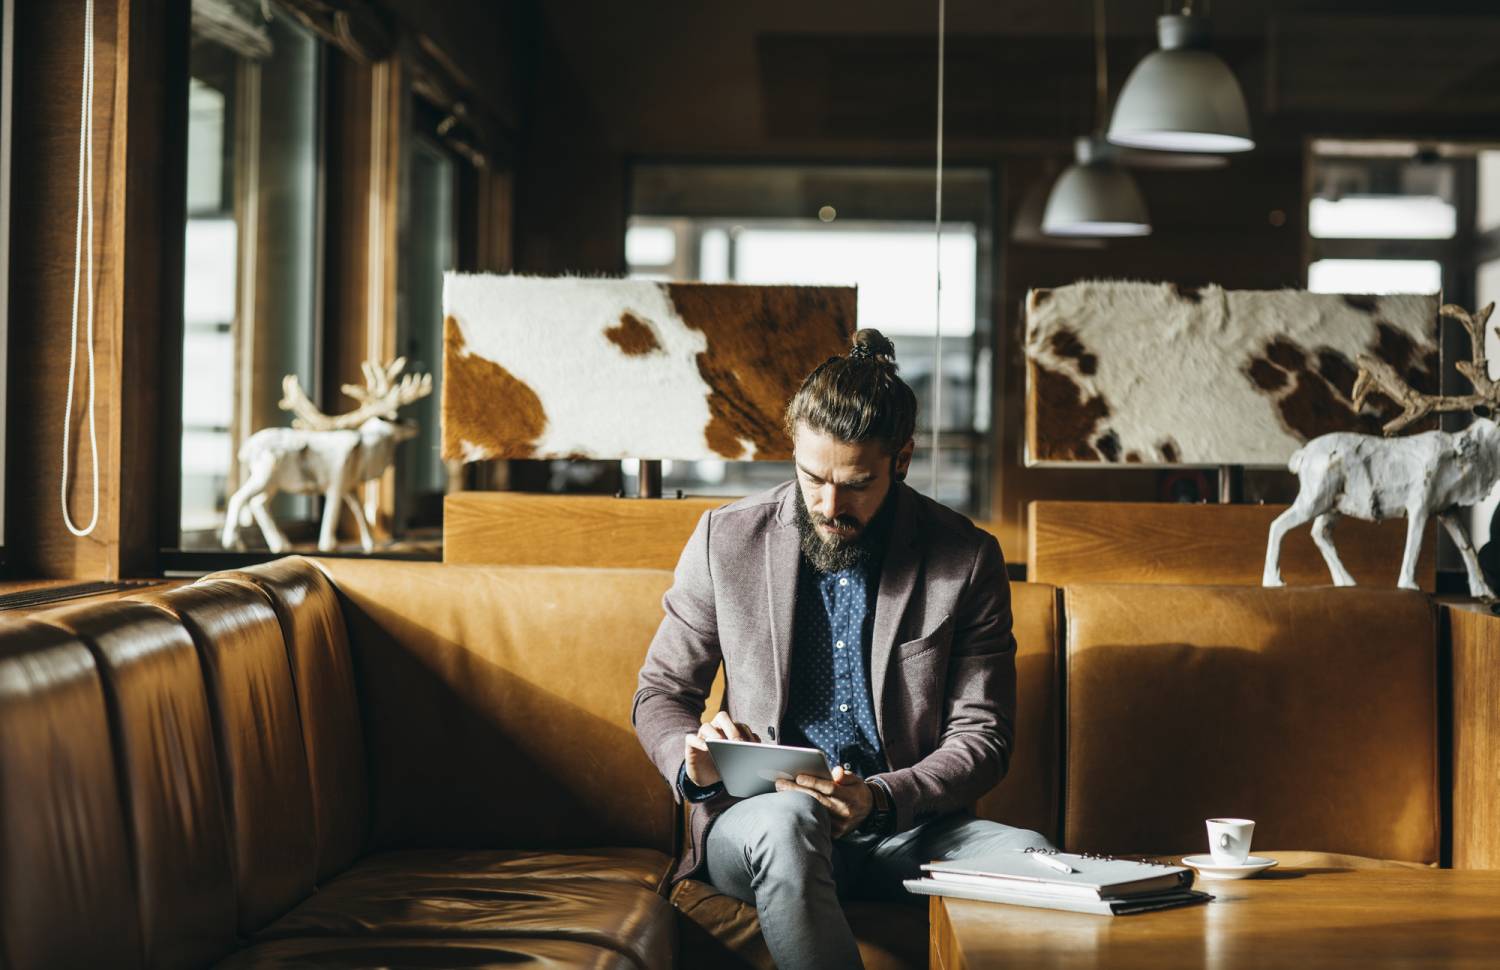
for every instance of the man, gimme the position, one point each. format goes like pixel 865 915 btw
pixel 852 615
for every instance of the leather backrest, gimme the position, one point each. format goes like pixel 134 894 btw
pixel 323 673
pixel 67 898
pixel 259 742
pixel 1311 711
pixel 498 703
pixel 1028 795
pixel 165 742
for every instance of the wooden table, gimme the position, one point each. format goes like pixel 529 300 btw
pixel 1353 918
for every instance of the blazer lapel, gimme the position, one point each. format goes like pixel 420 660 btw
pixel 898 579
pixel 783 556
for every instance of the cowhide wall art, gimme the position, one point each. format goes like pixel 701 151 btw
pixel 598 368
pixel 1152 374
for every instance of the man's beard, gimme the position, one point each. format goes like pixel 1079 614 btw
pixel 831 554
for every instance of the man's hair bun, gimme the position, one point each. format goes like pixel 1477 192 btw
pixel 869 344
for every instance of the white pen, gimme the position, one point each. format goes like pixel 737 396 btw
pixel 1055 864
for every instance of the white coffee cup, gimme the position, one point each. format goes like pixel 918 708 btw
pixel 1229 840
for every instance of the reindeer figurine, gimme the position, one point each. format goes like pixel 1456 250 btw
pixel 1419 476
pixel 330 454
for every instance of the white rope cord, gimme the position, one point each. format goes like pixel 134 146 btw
pixel 80 254
pixel 937 369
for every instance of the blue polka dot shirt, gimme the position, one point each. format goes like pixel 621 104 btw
pixel 829 706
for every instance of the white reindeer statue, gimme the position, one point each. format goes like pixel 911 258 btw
pixel 1419 476
pixel 329 454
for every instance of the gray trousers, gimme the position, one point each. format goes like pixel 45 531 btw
pixel 777 852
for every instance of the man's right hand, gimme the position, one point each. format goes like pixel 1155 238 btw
pixel 698 762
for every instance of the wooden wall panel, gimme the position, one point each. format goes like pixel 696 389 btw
pixel 1475 644
pixel 1151 542
pixel 139 95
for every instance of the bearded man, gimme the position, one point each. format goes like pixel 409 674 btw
pixel 851 615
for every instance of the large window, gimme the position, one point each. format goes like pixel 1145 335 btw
pixel 251 283
pixel 861 227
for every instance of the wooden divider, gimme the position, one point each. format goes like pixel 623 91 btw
pixel 1149 542
pixel 522 528
pixel 1474 641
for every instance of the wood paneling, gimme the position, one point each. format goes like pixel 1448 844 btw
pixel 1292 917
pixel 1150 542
pixel 1474 638
pixel 518 528
pixel 139 98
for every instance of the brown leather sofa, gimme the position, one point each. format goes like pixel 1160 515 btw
pixel 355 763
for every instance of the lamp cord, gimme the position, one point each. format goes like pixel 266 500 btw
pixel 80 254
pixel 1101 70
pixel 937 368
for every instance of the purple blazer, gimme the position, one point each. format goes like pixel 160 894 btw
pixel 942 657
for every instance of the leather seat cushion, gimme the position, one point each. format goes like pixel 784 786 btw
pixel 716 931
pixel 647 868
pixel 477 954
pixel 496 894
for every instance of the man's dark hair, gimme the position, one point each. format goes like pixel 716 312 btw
pixel 858 397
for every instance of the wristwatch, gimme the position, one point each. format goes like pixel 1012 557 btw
pixel 882 817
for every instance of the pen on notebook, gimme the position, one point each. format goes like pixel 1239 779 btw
pixel 1056 865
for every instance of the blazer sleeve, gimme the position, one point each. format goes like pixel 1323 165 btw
pixel 674 682
pixel 979 705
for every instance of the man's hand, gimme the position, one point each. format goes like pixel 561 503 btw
pixel 697 760
pixel 847 797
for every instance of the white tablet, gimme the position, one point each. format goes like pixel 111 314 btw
pixel 750 768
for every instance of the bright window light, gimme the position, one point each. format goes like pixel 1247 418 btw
pixel 1382 217
pixel 1489 190
pixel 713 257
pixel 893 269
pixel 650 245
pixel 1375 276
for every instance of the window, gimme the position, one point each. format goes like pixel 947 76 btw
pixel 866 227
pixel 429 248
pixel 251 282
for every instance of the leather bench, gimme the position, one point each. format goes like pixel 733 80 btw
pixel 357 762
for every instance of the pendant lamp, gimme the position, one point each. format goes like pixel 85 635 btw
pixel 1095 197
pixel 1183 97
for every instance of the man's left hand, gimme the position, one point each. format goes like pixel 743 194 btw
pixel 847 797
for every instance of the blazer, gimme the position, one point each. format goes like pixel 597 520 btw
pixel 942 657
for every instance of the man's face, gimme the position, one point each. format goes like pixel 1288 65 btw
pixel 843 483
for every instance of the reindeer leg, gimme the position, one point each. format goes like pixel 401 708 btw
pixel 366 542
pixel 1285 522
pixel 275 538
pixel 1477 585
pixel 1416 524
pixel 255 485
pixel 333 501
pixel 1322 533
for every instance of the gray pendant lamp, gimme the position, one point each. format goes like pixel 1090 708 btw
pixel 1095 197
pixel 1183 97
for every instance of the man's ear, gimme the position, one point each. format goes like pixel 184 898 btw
pixel 903 460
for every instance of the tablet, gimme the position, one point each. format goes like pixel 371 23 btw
pixel 750 768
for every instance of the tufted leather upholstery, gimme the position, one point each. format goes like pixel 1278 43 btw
pixel 64 849
pixel 352 763
pixel 164 736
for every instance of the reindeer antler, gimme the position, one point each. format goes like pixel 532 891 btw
pixel 381 396
pixel 1377 375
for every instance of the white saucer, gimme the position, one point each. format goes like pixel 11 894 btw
pixel 1209 869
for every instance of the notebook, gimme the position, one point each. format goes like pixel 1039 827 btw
pixel 1094 877
pixel 1143 903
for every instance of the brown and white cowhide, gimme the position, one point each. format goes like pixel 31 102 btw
pixel 1153 374
pixel 598 368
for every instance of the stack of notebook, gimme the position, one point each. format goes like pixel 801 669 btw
pixel 1061 880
